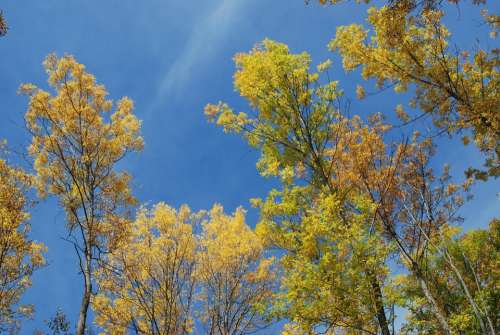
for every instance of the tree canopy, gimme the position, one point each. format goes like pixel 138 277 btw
pixel 359 228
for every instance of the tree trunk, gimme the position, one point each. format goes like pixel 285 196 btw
pixel 475 308
pixel 469 297
pixel 379 304
pixel 87 292
pixel 437 311
pixel 416 271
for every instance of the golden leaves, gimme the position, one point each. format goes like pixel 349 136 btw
pixel 406 50
pixel 232 260
pixel 152 279
pixel 324 66
pixel 360 92
pixel 149 277
pixel 20 255
pixel 76 145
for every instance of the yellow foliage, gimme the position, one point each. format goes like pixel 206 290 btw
pixel 75 146
pixel 76 143
pixel 348 196
pixel 237 281
pixel 168 274
pixel 458 90
pixel 19 256
pixel 148 282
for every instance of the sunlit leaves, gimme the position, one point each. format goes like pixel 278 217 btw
pixel 237 281
pixel 460 91
pixel 76 144
pixel 19 255
pixel 178 268
pixel 147 283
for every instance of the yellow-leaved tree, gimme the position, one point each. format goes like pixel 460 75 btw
pixel 237 281
pixel 179 271
pixel 349 197
pixel 298 128
pixel 76 143
pixel 148 283
pixel 334 262
pixel 19 255
pixel 412 52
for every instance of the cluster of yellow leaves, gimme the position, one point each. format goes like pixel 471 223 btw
pixel 19 256
pixel 76 145
pixel 221 250
pixel 493 20
pixel 458 90
pixel 147 283
pixel 288 99
pixel 237 280
pixel 330 259
pixel 166 275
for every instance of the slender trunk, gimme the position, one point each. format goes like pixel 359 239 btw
pixel 469 297
pixel 379 305
pixel 416 271
pixel 437 311
pixel 87 292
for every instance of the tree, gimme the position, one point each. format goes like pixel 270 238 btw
pixel 19 255
pixel 475 255
pixel 297 127
pixel 148 284
pixel 76 145
pixel 346 189
pixel 333 262
pixel 458 88
pixel 168 274
pixel 236 280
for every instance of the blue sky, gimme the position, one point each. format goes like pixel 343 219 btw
pixel 172 57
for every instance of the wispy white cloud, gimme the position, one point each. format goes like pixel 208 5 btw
pixel 201 45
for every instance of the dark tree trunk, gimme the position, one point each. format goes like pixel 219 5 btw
pixel 379 304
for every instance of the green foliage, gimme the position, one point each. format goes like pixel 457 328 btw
pixel 476 254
